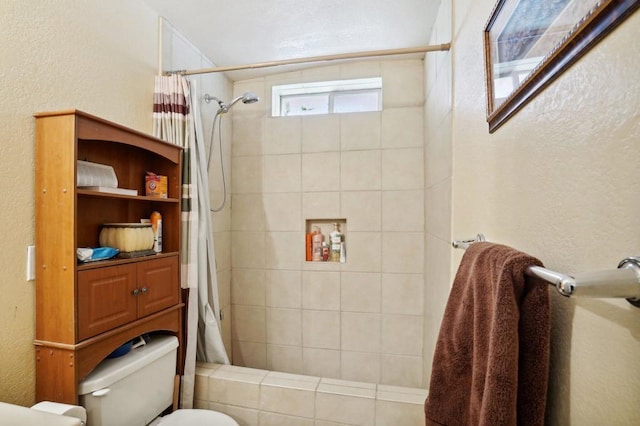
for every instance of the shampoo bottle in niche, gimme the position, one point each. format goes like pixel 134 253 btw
pixel 317 239
pixel 156 225
pixel 336 239
pixel 308 242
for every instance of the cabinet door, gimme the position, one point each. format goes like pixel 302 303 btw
pixel 105 299
pixel 158 285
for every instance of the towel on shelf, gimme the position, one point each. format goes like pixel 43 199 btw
pixel 491 362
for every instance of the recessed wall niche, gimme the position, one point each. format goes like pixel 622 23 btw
pixel 330 251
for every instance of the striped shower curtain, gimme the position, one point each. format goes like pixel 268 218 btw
pixel 176 119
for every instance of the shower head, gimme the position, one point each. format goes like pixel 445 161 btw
pixel 246 98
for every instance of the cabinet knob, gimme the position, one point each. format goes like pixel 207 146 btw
pixel 143 290
pixel 135 292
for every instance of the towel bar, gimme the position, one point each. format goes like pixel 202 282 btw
pixel 621 282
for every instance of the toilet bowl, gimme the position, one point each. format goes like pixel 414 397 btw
pixel 136 388
pixel 197 417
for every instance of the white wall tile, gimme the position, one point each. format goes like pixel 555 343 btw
pixel 247 174
pixel 283 289
pixel 274 419
pixel 282 211
pixel 360 131
pixel 321 362
pixel 320 133
pixel 321 290
pixel 282 173
pixel 286 400
pixel 361 366
pixel 321 329
pixel 401 370
pixel 321 205
pixel 402 252
pixel 360 170
pixel 248 323
pixel 345 409
pixel 364 252
pixel 360 292
pixel 244 394
pixel 283 135
pixel 402 334
pixel 249 354
pixel 284 358
pixel 402 127
pixel 403 294
pixel 403 83
pixel 248 135
pixel 284 250
pixel 248 249
pixel 397 413
pixel 402 168
pixel 248 287
pixel 321 171
pixel 284 326
pixel 248 212
pixel 403 210
pixel 360 332
pixel 362 209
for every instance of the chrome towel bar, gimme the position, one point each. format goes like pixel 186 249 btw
pixel 618 283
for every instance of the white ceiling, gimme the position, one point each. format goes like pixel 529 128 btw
pixel 240 32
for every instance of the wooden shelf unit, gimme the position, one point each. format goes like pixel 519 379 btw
pixel 85 311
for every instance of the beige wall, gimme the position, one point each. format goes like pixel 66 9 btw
pixel 558 181
pixel 99 57
pixel 361 320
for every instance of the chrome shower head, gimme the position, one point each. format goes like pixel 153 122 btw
pixel 246 98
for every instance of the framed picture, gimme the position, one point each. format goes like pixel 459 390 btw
pixel 528 43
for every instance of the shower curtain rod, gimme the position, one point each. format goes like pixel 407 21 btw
pixel 323 58
pixel 621 282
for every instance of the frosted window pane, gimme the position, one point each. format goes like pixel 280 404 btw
pixel 305 104
pixel 356 102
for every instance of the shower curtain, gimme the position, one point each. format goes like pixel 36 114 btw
pixel 176 119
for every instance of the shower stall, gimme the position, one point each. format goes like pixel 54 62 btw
pixel 362 320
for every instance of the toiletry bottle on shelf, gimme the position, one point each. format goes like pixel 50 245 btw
pixel 325 251
pixel 156 225
pixel 335 238
pixel 317 245
pixel 309 246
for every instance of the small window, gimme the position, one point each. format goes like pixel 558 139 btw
pixel 327 97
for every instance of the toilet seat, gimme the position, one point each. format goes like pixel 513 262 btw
pixel 197 417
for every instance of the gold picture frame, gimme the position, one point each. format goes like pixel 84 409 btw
pixel 528 43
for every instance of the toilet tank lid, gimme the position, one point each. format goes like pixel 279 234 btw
pixel 111 370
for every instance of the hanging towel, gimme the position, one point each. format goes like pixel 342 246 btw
pixel 491 361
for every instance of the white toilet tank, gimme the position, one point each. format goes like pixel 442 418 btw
pixel 132 389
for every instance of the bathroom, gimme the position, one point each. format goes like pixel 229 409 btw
pixel 554 182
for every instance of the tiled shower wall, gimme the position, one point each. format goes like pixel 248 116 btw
pixel 361 320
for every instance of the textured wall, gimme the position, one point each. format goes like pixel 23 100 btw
pixel 558 181
pixel 99 57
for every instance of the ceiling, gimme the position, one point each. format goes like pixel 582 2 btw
pixel 240 32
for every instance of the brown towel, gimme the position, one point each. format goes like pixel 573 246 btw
pixel 491 361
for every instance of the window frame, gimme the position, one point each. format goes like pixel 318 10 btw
pixel 330 88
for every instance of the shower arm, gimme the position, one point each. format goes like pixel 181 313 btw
pixel 208 98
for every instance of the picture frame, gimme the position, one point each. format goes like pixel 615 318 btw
pixel 529 43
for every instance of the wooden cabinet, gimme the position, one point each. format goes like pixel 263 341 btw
pixel 133 291
pixel 85 311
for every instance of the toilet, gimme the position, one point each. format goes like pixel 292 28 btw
pixel 136 388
